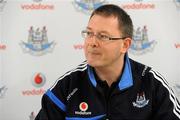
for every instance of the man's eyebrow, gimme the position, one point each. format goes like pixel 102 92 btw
pixel 89 28
pixel 103 31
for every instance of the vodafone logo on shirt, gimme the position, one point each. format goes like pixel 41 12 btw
pixel 38 80
pixel 83 106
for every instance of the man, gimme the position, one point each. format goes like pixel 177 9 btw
pixel 109 85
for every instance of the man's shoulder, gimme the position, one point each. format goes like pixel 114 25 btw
pixel 143 72
pixel 71 77
pixel 75 72
pixel 139 68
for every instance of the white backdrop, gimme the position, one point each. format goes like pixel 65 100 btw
pixel 0 69
pixel 27 69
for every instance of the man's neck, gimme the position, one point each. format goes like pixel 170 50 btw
pixel 110 73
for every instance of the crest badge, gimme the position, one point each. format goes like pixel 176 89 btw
pixel 140 100
pixel 141 43
pixel 3 90
pixel 37 0
pixel 87 6
pixel 37 44
pixel 177 90
pixel 32 116
pixel 177 2
pixel 2 4
pixel 138 0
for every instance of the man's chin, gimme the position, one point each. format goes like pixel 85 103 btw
pixel 94 63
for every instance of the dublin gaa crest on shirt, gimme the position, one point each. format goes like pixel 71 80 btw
pixel 141 43
pixel 87 6
pixel 140 100
pixel 37 43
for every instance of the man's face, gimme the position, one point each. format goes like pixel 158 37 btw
pixel 104 53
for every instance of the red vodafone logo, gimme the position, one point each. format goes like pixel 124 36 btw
pixel 38 80
pixel 2 46
pixel 83 106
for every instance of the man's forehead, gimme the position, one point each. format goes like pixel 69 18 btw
pixel 103 24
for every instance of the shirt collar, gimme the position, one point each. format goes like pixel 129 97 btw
pixel 126 79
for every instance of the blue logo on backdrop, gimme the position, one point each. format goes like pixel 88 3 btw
pixel 177 2
pixel 141 43
pixel 87 6
pixel 177 89
pixel 3 90
pixel 138 0
pixel 37 0
pixel 2 4
pixel 32 116
pixel 37 44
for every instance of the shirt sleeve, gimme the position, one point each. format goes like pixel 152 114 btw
pixel 50 110
pixel 53 103
pixel 166 105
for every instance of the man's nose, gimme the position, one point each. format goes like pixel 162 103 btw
pixel 93 42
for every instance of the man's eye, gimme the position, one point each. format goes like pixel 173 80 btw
pixel 103 36
pixel 89 33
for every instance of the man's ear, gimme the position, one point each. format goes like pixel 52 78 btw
pixel 126 44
